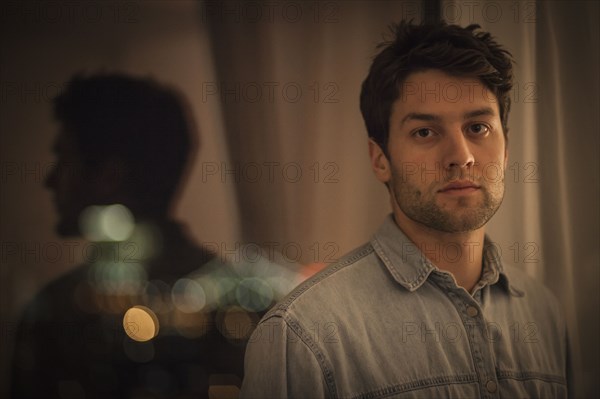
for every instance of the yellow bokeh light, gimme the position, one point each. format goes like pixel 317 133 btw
pixel 140 323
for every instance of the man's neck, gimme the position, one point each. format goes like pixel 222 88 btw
pixel 461 254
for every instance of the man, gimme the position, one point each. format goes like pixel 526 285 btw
pixel 144 315
pixel 426 309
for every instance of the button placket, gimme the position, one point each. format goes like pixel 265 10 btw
pixel 474 324
pixel 472 311
pixel 482 357
pixel 491 386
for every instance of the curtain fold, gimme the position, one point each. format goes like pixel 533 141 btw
pixel 323 199
pixel 568 132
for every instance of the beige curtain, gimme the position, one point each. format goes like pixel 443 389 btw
pixel 304 123
pixel 323 199
pixel 568 135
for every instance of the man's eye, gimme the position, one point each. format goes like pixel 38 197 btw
pixel 423 133
pixel 479 129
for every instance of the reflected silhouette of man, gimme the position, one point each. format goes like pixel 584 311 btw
pixel 122 149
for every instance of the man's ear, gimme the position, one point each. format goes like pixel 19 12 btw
pixel 379 162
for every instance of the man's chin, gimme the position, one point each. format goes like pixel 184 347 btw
pixel 456 219
pixel 464 225
pixel 465 219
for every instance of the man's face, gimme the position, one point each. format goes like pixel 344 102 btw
pixel 70 185
pixel 447 153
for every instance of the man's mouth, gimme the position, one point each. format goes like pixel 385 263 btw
pixel 460 187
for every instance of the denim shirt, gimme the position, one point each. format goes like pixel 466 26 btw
pixel 386 322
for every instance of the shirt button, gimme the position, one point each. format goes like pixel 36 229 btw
pixel 491 386
pixel 472 311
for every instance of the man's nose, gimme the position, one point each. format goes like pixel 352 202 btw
pixel 458 152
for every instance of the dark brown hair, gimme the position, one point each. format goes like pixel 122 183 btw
pixel 135 120
pixel 455 50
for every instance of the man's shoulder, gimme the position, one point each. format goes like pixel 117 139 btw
pixel 65 284
pixel 331 285
pixel 57 296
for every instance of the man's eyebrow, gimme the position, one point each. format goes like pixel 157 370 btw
pixel 420 117
pixel 486 111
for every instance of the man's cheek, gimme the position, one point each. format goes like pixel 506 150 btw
pixel 493 173
pixel 409 172
pixel 432 174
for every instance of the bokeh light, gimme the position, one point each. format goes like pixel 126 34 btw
pixel 157 295
pixel 140 323
pixel 188 296
pixel 116 222
pixel 89 223
pixel 193 325
pixel 106 223
pixel 146 242
pixel 254 294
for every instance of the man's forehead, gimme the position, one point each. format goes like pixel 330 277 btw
pixel 437 87
pixel 434 92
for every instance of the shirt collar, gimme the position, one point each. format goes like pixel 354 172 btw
pixel 410 268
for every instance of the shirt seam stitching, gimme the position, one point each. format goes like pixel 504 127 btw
pixel 362 253
pixel 418 385
pixel 530 375
pixel 297 329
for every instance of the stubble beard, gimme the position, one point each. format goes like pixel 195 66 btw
pixel 469 214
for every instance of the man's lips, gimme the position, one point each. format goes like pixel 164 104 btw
pixel 460 186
